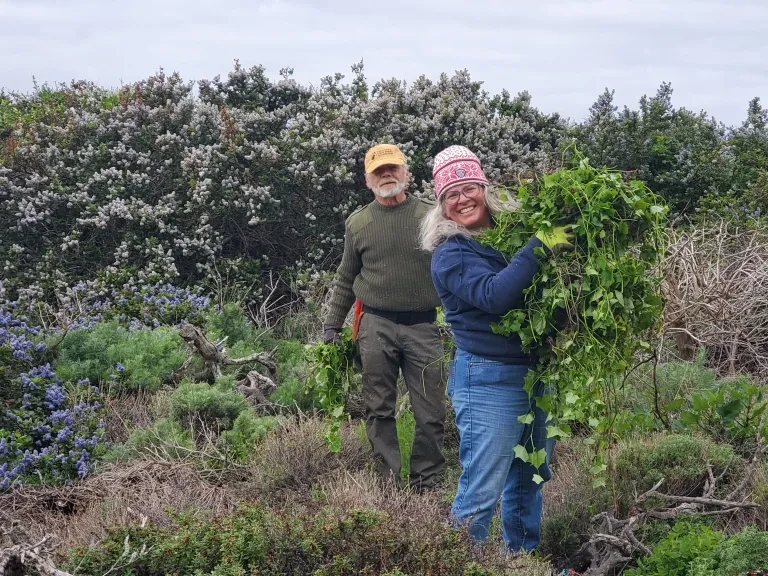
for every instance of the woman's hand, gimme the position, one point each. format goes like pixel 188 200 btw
pixel 558 240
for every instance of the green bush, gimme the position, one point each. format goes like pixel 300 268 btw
pixel 257 541
pixel 127 359
pixel 215 407
pixel 246 432
pixel 292 374
pixel 747 550
pixel 680 459
pixel 636 397
pixel 686 543
pixel 231 323
pixel 165 438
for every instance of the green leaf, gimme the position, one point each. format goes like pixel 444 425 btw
pixel 537 479
pixel 556 432
pixel 537 458
pixel 521 452
pixel 699 403
pixel 730 410
pixel 599 482
pixel 571 398
pixel 525 418
pixel 676 404
pixel 338 412
pixel 656 209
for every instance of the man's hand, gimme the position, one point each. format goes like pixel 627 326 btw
pixel 557 240
pixel 332 335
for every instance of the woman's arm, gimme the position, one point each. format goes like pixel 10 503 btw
pixel 467 274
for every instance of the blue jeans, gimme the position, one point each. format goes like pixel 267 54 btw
pixel 488 397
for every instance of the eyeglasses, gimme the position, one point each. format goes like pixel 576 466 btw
pixel 452 196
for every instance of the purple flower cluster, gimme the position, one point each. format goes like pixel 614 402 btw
pixel 134 306
pixel 49 431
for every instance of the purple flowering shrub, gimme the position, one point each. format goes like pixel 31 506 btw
pixel 49 431
pixel 134 306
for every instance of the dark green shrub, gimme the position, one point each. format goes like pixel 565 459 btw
pixel 747 550
pixel 292 374
pixel 127 359
pixel 562 533
pixel 686 543
pixel 246 432
pixel 214 407
pixel 231 323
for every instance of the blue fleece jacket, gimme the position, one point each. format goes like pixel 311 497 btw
pixel 477 286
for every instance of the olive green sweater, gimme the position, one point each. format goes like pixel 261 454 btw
pixel 383 264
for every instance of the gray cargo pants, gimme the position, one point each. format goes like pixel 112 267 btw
pixel 386 348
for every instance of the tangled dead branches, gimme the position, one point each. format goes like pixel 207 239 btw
pixel 716 290
pixel 214 355
pixel 20 555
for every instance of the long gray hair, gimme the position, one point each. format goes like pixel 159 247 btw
pixel 436 227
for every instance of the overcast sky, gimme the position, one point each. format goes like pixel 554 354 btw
pixel 564 52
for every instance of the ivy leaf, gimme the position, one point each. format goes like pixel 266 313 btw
pixel 537 458
pixel 521 452
pixel 537 479
pixel 556 432
pixel 525 418
pixel 599 482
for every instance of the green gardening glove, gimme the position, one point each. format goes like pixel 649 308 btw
pixel 558 239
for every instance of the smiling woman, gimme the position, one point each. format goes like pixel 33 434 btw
pixel 477 286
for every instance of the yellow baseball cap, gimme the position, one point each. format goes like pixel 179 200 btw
pixel 382 154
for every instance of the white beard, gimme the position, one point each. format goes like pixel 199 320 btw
pixel 381 193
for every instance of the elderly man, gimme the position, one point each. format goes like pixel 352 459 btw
pixel 385 269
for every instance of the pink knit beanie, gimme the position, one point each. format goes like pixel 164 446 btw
pixel 455 165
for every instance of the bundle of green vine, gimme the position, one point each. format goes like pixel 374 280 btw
pixel 331 380
pixel 590 312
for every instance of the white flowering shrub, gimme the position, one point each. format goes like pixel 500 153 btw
pixel 154 184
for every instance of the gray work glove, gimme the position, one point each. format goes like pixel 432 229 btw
pixel 332 335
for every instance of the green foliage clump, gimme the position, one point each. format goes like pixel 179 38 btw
pixel 292 374
pixel 745 551
pixel 331 381
pixel 678 458
pixel 731 412
pixel 231 323
pixel 687 543
pixel 127 359
pixel 255 540
pixel 246 432
pixel 215 407
pixel 693 549
pixel 587 312
pixel 165 438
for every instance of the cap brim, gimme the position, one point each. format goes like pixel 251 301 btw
pixel 383 162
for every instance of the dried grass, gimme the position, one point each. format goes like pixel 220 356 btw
pixel 133 493
pixel 294 457
pixel 127 412
pixel 416 515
